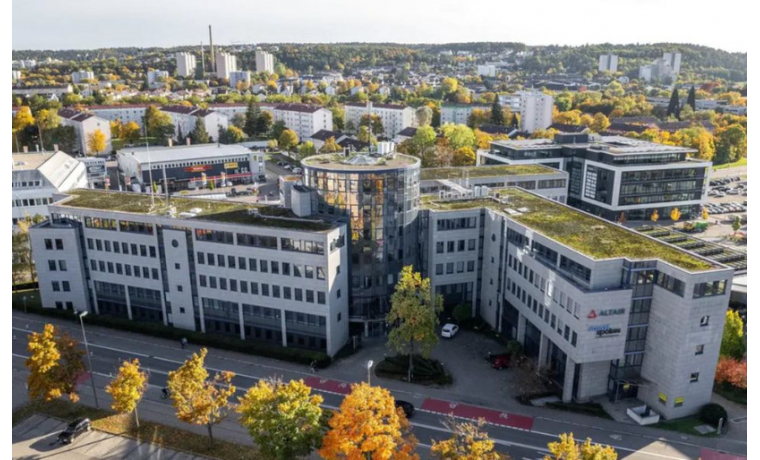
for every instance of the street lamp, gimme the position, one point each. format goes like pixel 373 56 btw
pixel 81 315
pixel 370 363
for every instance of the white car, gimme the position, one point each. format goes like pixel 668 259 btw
pixel 449 330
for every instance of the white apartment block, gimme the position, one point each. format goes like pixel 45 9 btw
pixel 673 60
pixel 42 90
pixel 184 119
pixel 535 111
pixel 458 114
pixel 82 75
pixel 304 119
pixel 225 64
pixel 608 63
pixel 124 113
pixel 38 176
pixel 85 124
pixel 239 76
pixel 16 75
pixel 281 280
pixel 156 78
pixel 394 117
pixel 487 70
pixel 264 61
pixel 186 64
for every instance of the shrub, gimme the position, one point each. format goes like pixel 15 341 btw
pixel 712 413
pixel 462 312
pixel 731 372
pixel 426 371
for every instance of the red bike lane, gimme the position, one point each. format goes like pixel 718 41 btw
pixel 495 417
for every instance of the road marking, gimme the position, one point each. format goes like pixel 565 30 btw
pixel 497 441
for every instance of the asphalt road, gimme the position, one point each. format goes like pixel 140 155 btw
pixel 108 350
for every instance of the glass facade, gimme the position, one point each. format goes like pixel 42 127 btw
pixel 380 205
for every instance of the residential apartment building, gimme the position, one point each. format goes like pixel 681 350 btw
pixel 81 76
pixel 192 265
pixel 184 119
pixel 54 91
pixel 16 75
pixel 608 63
pixel 240 76
pixel 157 78
pixel 487 70
pixel 394 117
pixel 536 109
pixel 459 114
pixel 36 177
pixel 186 64
pixel 86 124
pixel 123 113
pixel 264 61
pixel 673 60
pixel 226 63
pixel 304 119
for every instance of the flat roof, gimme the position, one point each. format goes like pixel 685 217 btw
pixel 145 155
pixel 211 210
pixel 362 161
pixel 595 237
pixel 620 145
pixel 30 161
pixel 485 171
pixel 528 144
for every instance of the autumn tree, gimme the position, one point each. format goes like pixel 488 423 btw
pixel 130 132
pixel 368 426
pixel 705 214
pixel 199 135
pixel 655 216
pixel 675 215
pixel 128 388
pixel 732 343
pixel 568 449
pixel 731 372
pixel 600 123
pixel 158 124
pixel 306 149
pixel 374 122
pixel 47 120
pixel 449 85
pixel 413 316
pixel 231 135
pixel 55 364
pixel 330 146
pixel 282 418
pixel 463 156
pixel 478 117
pixel 365 134
pixel 288 139
pixel 469 441
pixel 458 136
pixel 424 115
pixel 197 398
pixel 21 250
pixel 96 142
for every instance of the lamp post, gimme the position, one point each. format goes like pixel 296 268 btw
pixel 81 315
pixel 370 363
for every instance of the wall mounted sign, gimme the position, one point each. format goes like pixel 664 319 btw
pixel 605 330
pixel 609 312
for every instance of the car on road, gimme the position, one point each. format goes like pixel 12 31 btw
pixel 74 430
pixel 449 330
pixel 407 407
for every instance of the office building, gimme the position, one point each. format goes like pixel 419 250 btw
pixel 82 76
pixel 189 167
pixel 536 110
pixel 394 117
pixel 664 69
pixel 241 78
pixel 36 177
pixel 86 124
pixel 124 113
pixel 240 270
pixel 186 64
pixel 264 61
pixel 608 63
pixel 184 120
pixel 225 64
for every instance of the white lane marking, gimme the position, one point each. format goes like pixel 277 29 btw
pixel 497 441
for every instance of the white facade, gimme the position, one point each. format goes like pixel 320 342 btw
pixel 86 124
pixel 225 64
pixel 487 70
pixel 43 90
pixel 16 75
pixel 124 113
pixel 608 63
pixel 239 76
pixel 394 117
pixel 37 176
pixel 184 119
pixel 535 111
pixel 186 64
pixel 81 75
pixel 673 60
pixel 264 61
pixel 304 119
pixel 458 114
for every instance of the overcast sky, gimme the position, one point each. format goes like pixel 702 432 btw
pixel 87 24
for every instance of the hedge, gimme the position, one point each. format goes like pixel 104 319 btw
pixel 295 355
pixel 426 371
pixel 593 409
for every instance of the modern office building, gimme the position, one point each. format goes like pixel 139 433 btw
pixel 36 177
pixel 189 167
pixel 186 64
pixel 225 64
pixel 612 176
pixel 254 273
pixel 264 61
pixel 378 196
pixel 608 63
pixel 394 117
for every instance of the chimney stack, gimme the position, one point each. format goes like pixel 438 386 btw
pixel 211 50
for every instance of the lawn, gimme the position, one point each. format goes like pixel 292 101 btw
pixel 741 162
pixel 685 425
pixel 121 425
pixel 118 144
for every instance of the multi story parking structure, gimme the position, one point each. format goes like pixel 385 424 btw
pixel 255 273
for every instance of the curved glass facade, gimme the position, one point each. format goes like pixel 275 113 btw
pixel 380 204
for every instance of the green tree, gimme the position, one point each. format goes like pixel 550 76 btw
pixel 732 343
pixel 282 418
pixel 413 316
pixel 674 106
pixel 231 135
pixel 277 128
pixel 364 134
pixel 306 149
pixel 497 113
pixel 158 124
pixel 288 139
pixel 374 122
pixel 47 120
pixel 731 144
pixel 339 117
pixel 252 115
pixel 691 99
pixel 199 135
pixel 423 144
pixel 459 136
pixel 65 137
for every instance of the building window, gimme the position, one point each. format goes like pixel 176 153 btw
pixel 49 243
pixel 694 377
pixel 179 288
pixel 700 350
pixel 56 286
pixel 62 265
pixel 51 265
pixel 704 321
pixel 59 244
pixel 439 269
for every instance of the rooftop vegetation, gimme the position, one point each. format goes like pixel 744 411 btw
pixel 485 171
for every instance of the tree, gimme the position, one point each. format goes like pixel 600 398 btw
pixel 423 145
pixel 674 106
pixel 424 115
pixel 47 120
pixel 655 216
pixel 158 124
pixel 691 99
pixel 55 364
pixel 732 372
pixel 449 85
pixel 675 214
pixel 127 388
pixel 732 344
pixel 478 117
pixel 497 113
pixel 306 149
pixel 368 426
pixel 199 135
pixel 413 316
pixel 231 135
pixel 197 398
pixel 330 146
pixel 364 134
pixel 731 144
pixel 705 214
pixel 462 312
pixel 238 121
pixel 252 116
pixel 736 224
pixel 469 441
pixel 568 449
pixel 600 123
pixel 463 156
pixel 374 122
pixel 458 136
pixel 130 132
pixel 277 128
pixel 96 142
pixel 23 264
pixel 23 118
pixel 282 418
pixel 288 139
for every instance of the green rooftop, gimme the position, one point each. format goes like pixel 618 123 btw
pixel 359 161
pixel 211 210
pixel 592 236
pixel 485 171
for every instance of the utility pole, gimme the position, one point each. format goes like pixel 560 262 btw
pixel 81 315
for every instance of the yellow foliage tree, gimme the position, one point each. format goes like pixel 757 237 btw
pixel 116 126
pixel 568 449
pixel 130 132
pixel 368 426
pixel 675 214
pixel 23 118
pixel 96 142
pixel 127 388
pixel 655 216
pixel 705 214
pixel 463 156
pixel 197 398
pixel 600 123
pixel 55 364
pixel 468 442
pixel 330 146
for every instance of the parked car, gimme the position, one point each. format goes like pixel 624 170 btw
pixel 261 178
pixel 73 430
pixel 501 362
pixel 281 163
pixel 407 407
pixel 288 167
pixel 297 170
pixel 449 330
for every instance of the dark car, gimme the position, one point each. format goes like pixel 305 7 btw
pixel 73 430
pixel 407 407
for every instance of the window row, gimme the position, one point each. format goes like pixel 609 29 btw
pixel 546 286
pixel 460 267
pixel 58 244
pixel 124 269
pixel 264 289
pixel 26 202
pixel 262 265
pixel 455 246
pixel 142 250
pixel 59 286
